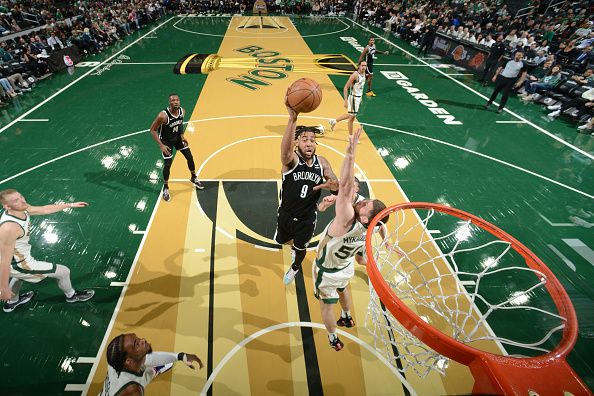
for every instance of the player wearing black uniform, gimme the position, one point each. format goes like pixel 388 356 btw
pixel 367 56
pixel 303 178
pixel 168 132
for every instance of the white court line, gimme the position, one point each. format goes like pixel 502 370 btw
pixel 144 63
pixel 434 231
pixel 118 284
pixel 120 299
pixel 563 258
pixel 510 122
pixel 468 283
pixel 199 250
pixel 266 248
pixel 138 232
pixel 78 79
pixel 560 140
pixel 263 37
pixel 222 231
pixel 556 224
pixel 399 65
pixel 321 144
pixel 460 74
pixel 34 120
pixel 279 326
pixel 86 359
pixel 581 248
pixel 75 387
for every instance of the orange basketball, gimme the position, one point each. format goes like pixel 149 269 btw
pixel 304 95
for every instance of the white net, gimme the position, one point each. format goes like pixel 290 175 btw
pixel 462 280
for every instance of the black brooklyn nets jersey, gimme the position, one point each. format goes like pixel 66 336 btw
pixel 370 53
pixel 173 128
pixel 297 196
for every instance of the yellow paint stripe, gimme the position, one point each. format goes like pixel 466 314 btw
pixel 182 69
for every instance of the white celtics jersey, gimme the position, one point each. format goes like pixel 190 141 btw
pixel 357 88
pixel 22 247
pixel 336 253
pixel 114 383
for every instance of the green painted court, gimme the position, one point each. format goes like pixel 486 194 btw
pixel 166 270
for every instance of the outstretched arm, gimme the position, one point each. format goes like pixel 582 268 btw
pixel 345 213
pixel 288 156
pixel 49 209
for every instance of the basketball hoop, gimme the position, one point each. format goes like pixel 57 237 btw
pixel 421 313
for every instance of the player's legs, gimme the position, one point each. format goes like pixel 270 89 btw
pixel 187 153
pixel 351 122
pixel 303 230
pixel 17 299
pixel 62 276
pixel 168 160
pixel 346 302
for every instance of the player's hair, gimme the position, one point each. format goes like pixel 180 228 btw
pixel 378 206
pixel 173 94
pixel 6 192
pixel 300 129
pixel 116 355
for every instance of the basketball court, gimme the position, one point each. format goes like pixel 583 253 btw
pixel 202 272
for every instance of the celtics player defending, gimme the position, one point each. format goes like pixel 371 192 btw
pixel 303 178
pixel 352 92
pixel 132 365
pixel 168 132
pixel 342 239
pixel 16 261
pixel 368 53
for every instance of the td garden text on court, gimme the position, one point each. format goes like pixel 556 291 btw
pixel 267 67
pixel 416 93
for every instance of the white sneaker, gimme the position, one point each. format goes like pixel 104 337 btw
pixel 289 276
pixel 554 107
pixel 554 113
pixel 582 127
pixel 321 129
pixel 332 123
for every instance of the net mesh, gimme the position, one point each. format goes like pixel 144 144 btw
pixel 458 278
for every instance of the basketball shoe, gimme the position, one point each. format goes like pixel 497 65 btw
pixel 346 322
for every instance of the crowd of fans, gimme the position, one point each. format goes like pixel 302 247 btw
pixel 556 42
pixel 89 25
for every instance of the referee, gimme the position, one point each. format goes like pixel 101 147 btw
pixel 505 77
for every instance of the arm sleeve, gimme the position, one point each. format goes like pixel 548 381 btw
pixel 160 358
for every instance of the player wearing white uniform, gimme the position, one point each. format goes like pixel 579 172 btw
pixel 341 240
pixel 132 365
pixel 353 91
pixel 16 261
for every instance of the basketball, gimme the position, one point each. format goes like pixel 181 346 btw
pixel 304 95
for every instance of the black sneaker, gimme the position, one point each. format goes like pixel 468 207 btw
pixel 346 322
pixel 23 299
pixel 336 344
pixel 166 196
pixel 83 295
pixel 194 180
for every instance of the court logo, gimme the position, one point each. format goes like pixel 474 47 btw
pixel 353 42
pixel 269 66
pixel 433 107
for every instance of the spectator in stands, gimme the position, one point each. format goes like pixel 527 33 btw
pixel 587 78
pixel 546 83
pixel 54 42
pixel 487 41
pixel 583 104
pixel 584 58
pixel 429 32
pixel 495 56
